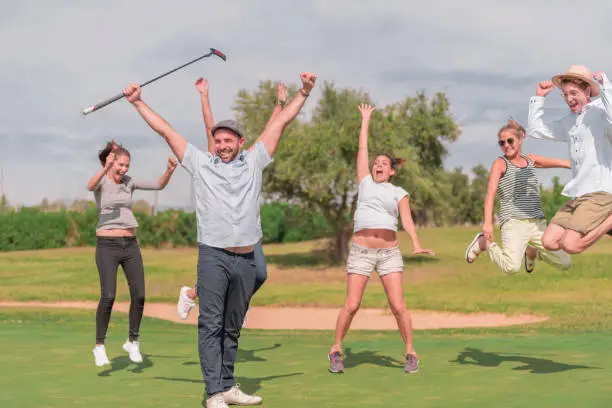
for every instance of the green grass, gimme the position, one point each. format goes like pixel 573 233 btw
pixel 48 363
pixel 576 300
pixel 564 362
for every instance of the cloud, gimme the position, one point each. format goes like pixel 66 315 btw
pixel 469 78
pixel 63 56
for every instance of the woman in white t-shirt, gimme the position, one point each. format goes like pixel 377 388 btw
pixel 375 245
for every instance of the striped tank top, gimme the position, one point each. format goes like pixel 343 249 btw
pixel 519 193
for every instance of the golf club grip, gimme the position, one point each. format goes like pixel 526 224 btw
pixel 102 104
pixel 219 54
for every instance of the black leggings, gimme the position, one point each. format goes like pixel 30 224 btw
pixel 110 253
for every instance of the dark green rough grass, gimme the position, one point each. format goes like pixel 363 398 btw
pixel 47 362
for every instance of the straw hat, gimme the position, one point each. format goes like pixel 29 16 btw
pixel 578 72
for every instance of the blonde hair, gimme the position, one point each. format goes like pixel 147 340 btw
pixel 514 127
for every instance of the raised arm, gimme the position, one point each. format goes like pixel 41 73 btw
pixel 202 87
pixel 165 178
pixel 548 163
pixel 409 227
pixel 498 168
pixel 94 182
pixel 281 99
pixel 606 95
pixel 363 159
pixel 177 143
pixel 537 127
pixel 157 184
pixel 273 132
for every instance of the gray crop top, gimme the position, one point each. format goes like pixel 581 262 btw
pixel 114 202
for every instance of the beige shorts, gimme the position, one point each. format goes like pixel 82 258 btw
pixel 585 213
pixel 363 261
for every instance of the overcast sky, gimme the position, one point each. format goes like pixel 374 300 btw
pixel 58 57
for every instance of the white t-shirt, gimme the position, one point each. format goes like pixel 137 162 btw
pixel 377 205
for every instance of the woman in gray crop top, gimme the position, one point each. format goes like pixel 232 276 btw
pixel 513 179
pixel 116 243
pixel 375 245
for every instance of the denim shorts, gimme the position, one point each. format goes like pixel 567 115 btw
pixel 363 261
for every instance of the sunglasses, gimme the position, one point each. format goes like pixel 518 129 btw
pixel 510 141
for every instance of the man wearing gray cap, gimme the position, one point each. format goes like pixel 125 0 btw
pixel 227 187
pixel 187 295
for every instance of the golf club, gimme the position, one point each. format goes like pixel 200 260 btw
pixel 102 104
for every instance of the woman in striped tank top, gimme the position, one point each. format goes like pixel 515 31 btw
pixel 513 178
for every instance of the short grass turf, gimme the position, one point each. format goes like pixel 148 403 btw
pixel 47 362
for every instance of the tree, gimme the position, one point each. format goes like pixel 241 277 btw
pixel 82 205
pixel 552 199
pixel 142 206
pixel 44 204
pixel 253 108
pixel 4 204
pixel 315 163
pixel 426 124
pixel 478 191
pixel 459 184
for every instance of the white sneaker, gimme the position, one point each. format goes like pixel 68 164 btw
pixel 234 396
pixel 216 401
pixel 99 353
pixel 473 250
pixel 185 304
pixel 133 349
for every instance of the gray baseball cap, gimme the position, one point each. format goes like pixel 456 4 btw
pixel 231 125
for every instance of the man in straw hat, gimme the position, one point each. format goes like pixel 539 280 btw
pixel 587 129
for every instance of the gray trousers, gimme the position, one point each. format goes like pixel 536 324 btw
pixel 261 274
pixel 225 284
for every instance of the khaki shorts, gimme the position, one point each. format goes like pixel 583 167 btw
pixel 585 213
pixel 363 261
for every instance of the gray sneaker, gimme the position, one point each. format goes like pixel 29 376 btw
pixel 412 364
pixel 335 362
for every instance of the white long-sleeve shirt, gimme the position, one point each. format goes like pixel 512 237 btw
pixel 589 137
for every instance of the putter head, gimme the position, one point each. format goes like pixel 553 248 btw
pixel 218 54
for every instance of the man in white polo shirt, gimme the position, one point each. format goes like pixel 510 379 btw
pixel 227 188
pixel 588 131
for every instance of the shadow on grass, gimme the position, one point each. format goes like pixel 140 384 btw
pixel 474 356
pixel 248 385
pixel 313 258
pixel 369 357
pixel 244 356
pixel 324 258
pixel 419 259
pixel 123 362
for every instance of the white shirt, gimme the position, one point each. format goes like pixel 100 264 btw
pixel 377 205
pixel 589 137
